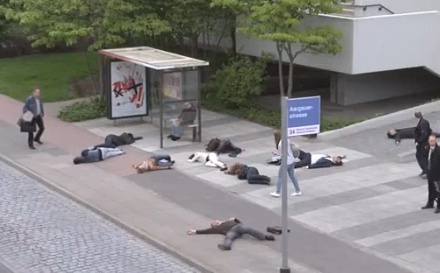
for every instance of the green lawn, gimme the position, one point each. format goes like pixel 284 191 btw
pixel 51 72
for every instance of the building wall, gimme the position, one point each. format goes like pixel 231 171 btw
pixel 352 89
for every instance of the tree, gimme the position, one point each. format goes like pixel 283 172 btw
pixel 279 21
pixel 101 23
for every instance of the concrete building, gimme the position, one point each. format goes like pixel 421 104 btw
pixel 390 48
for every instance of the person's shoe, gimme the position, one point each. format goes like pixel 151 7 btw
pixel 275 194
pixel 39 142
pixel 428 205
pixel 437 210
pixel 174 138
pixel 297 193
pixel 270 238
pixel 169 136
pixel 224 169
pixel 32 147
pixel 223 247
pixel 191 156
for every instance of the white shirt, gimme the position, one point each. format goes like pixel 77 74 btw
pixel 290 157
pixel 37 101
pixel 316 157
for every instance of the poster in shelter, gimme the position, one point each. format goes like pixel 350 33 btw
pixel 173 85
pixel 128 94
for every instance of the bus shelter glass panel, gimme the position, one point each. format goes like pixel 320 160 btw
pixel 181 101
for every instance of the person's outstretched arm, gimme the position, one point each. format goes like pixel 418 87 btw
pixel 201 231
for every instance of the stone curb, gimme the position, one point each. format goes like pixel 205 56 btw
pixel 380 121
pixel 132 230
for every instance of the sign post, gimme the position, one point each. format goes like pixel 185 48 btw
pixel 299 116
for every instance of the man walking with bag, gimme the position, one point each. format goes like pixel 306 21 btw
pixel 34 105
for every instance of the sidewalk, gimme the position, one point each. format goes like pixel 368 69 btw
pixel 161 206
pixel 103 187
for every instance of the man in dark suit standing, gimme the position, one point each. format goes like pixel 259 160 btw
pixel 34 105
pixel 421 136
pixel 433 174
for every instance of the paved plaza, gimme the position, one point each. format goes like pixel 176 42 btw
pixel 372 202
pixel 42 232
pixel 364 216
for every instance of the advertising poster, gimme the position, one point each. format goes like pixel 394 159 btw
pixel 128 94
pixel 173 85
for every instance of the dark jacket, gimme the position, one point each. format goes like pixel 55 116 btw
pixel 113 141
pixel 223 228
pixel 422 131
pixel 31 105
pixel 322 163
pixel 434 170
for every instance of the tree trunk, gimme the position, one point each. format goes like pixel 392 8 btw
pixel 280 68
pixel 233 33
pixel 291 59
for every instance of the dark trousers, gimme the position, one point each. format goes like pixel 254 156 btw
pixel 305 160
pixel 254 177
pixel 39 121
pixel 229 148
pixel 433 191
pixel 239 230
pixel 422 156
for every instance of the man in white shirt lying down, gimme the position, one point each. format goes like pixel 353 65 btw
pixel 315 161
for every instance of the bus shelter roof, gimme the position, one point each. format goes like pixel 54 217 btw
pixel 153 58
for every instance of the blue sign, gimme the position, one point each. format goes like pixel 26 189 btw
pixel 303 116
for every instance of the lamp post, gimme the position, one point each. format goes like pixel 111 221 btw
pixel 284 146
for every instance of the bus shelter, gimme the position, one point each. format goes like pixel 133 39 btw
pixel 144 81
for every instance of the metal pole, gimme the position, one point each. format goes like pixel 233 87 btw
pixel 199 97
pixel 285 260
pixel 161 110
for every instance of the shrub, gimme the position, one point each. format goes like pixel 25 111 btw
pixel 238 82
pixel 86 110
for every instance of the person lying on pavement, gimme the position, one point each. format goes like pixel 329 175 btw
pixel 315 161
pixel 93 154
pixel 155 163
pixel 232 229
pixel 404 133
pixel 223 146
pixel 251 174
pixel 113 141
pixel 210 160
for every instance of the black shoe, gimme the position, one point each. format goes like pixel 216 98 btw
pixel 39 142
pixel 174 138
pixel 270 238
pixel 224 248
pixel 224 169
pixel 428 206
pixel 191 156
pixel 169 136
pixel 32 147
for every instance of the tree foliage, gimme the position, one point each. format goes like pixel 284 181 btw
pixel 279 21
pixel 103 23
pixel 239 82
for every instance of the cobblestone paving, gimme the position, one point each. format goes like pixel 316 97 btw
pixel 43 232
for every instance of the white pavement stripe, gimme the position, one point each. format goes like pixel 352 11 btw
pixel 399 233
pixel 404 154
pixel 360 212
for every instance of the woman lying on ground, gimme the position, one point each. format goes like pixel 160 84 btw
pixel 223 146
pixel 113 141
pixel 155 163
pixel 251 174
pixel 210 159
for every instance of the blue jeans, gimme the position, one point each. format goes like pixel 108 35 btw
pixel 158 159
pixel 291 173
